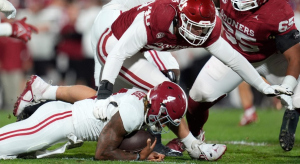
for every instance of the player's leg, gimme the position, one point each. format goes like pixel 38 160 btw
pixel 275 73
pixel 37 89
pixel 40 131
pixel 246 97
pixel 214 81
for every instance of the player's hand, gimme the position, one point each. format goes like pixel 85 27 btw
pixel 22 30
pixel 105 89
pixel 8 9
pixel 282 89
pixel 156 157
pixel 100 108
pixel 274 90
pixel 286 101
pixel 148 149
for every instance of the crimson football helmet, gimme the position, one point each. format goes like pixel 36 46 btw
pixel 197 19
pixel 167 104
pixel 244 5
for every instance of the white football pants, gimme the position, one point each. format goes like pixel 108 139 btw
pixel 136 71
pixel 216 79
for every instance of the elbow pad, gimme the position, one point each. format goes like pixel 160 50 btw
pixel 286 41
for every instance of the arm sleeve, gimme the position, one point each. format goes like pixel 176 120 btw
pixel 233 59
pixel 134 38
pixel 5 29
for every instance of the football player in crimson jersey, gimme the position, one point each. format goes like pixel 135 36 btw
pixel 164 25
pixel 267 39
pixel 127 111
pixel 186 24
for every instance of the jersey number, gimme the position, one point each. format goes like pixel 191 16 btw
pixel 239 39
pixel 285 25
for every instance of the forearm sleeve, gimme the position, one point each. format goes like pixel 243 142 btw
pixel 233 59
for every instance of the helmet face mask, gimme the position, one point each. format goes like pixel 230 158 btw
pixel 245 5
pixel 197 20
pixel 167 105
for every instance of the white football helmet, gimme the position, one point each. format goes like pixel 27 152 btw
pixel 244 5
pixel 196 15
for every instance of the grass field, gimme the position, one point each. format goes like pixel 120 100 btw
pixel 256 143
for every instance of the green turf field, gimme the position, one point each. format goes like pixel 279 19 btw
pixel 256 143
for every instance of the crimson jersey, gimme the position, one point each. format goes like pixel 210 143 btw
pixel 158 18
pixel 252 33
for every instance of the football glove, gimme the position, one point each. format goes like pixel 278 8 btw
pixel 22 30
pixel 100 109
pixel 286 101
pixel 8 9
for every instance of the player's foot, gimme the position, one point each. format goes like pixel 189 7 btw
pixel 30 108
pixel 212 152
pixel 176 144
pixel 248 118
pixel 288 129
pixel 35 87
pixel 160 148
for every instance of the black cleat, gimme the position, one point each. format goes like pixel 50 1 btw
pixel 288 129
pixel 162 149
pixel 30 109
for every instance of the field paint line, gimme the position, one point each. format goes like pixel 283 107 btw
pixel 243 143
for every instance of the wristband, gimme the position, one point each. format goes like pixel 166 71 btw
pixel 290 82
pixel 137 156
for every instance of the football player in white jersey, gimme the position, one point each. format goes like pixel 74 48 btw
pixel 127 110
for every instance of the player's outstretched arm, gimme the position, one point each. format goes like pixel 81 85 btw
pixel 111 137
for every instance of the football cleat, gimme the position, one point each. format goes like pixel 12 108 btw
pixel 212 152
pixel 288 129
pixel 30 109
pixel 248 119
pixel 201 136
pixel 176 144
pixel 162 149
pixel 35 87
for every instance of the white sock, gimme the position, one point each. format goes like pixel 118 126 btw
pixel 50 93
pixel 188 140
pixel 250 111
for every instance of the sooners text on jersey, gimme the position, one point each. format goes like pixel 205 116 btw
pixel 253 32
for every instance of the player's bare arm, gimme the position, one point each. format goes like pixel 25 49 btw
pixel 111 137
pixel 293 57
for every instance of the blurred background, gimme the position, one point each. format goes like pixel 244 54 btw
pixel 61 51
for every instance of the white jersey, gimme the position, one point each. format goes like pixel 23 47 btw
pixel 129 103
pixel 58 121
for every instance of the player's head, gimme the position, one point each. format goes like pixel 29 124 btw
pixel 244 5
pixel 197 18
pixel 167 103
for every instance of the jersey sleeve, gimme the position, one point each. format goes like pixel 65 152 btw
pixel 132 116
pixel 128 45
pixel 159 21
